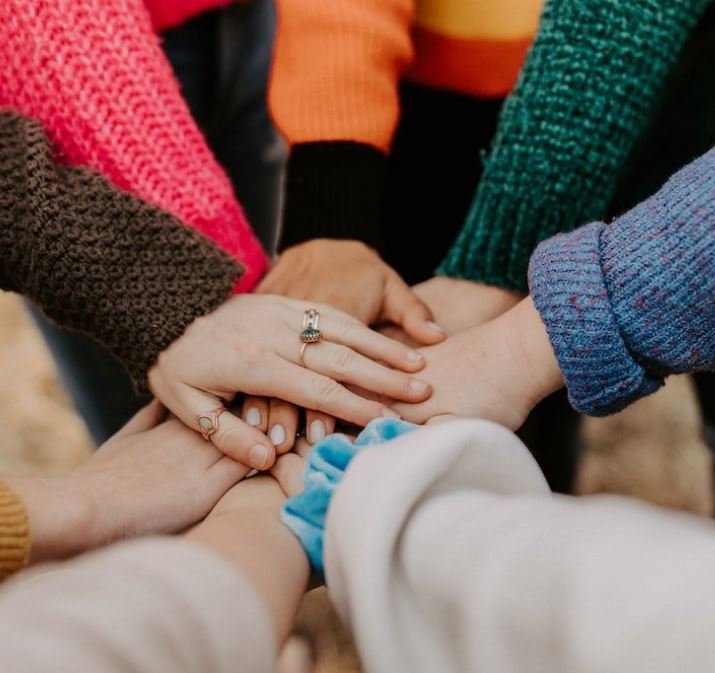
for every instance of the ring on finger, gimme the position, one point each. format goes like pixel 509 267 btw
pixel 208 422
pixel 310 334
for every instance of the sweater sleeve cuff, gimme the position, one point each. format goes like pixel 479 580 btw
pixel 14 532
pixel 334 190
pixel 569 291
pixel 325 468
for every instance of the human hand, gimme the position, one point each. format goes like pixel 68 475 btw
pixel 353 278
pixel 497 371
pixel 251 345
pixel 152 477
pixel 460 304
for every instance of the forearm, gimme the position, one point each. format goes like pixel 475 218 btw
pixel 251 537
pixel 57 517
pixel 334 96
pixel 97 260
pixel 94 75
pixel 628 304
pixel 567 129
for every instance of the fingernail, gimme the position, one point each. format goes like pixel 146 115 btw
pixel 317 432
pixel 389 413
pixel 435 327
pixel 414 356
pixel 253 417
pixel 258 456
pixel 418 386
pixel 278 435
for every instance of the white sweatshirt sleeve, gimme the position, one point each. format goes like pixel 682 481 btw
pixel 445 551
pixel 158 605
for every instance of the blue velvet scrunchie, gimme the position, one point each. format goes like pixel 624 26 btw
pixel 305 513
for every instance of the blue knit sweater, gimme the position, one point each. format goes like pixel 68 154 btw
pixel 629 303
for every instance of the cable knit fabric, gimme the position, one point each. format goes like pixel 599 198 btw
pixel 585 95
pixel 98 260
pixel 14 532
pixel 305 513
pixel 93 73
pixel 629 303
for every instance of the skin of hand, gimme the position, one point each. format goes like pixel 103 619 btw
pixel 251 345
pixel 498 371
pixel 351 277
pixel 245 529
pixel 152 477
pixel 460 304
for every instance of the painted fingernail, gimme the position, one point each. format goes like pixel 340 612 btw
pixel 253 417
pixel 258 457
pixel 414 356
pixel 278 435
pixel 389 413
pixel 317 432
pixel 435 327
pixel 418 386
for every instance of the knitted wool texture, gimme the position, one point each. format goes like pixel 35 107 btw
pixel 98 260
pixel 586 92
pixel 14 532
pixel 627 304
pixel 93 73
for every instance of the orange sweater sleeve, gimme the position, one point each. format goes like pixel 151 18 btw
pixel 14 532
pixel 334 96
pixel 336 69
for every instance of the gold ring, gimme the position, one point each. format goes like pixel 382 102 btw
pixel 208 423
pixel 310 334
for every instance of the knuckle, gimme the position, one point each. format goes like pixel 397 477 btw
pixel 343 360
pixel 324 389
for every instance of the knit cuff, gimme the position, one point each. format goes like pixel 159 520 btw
pixel 569 291
pixel 14 532
pixel 494 247
pixel 98 260
pixel 305 513
pixel 567 129
pixel 334 190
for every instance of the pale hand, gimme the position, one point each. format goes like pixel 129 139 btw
pixel 498 371
pixel 460 304
pixel 251 345
pixel 152 477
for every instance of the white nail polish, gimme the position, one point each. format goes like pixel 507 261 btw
pixel 418 386
pixel 389 413
pixel 253 417
pixel 414 356
pixel 278 435
pixel 434 326
pixel 317 432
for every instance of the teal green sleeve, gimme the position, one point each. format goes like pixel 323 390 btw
pixel 587 91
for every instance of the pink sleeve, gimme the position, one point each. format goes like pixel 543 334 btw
pixel 93 73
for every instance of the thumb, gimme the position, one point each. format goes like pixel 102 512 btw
pixel 402 307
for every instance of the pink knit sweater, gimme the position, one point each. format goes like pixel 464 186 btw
pixel 93 73
pixel 168 13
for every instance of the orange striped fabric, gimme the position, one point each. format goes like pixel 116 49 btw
pixel 337 64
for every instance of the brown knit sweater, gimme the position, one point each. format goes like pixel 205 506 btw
pixel 96 259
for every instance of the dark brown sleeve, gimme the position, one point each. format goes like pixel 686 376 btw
pixel 98 260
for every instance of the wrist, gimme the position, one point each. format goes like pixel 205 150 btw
pixel 334 190
pixel 60 516
pixel 533 354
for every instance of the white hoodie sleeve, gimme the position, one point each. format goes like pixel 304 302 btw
pixel 446 552
pixel 158 605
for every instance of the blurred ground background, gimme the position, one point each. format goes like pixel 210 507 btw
pixel 652 451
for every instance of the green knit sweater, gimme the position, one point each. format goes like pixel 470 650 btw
pixel 586 93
